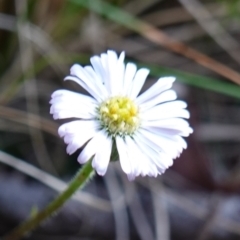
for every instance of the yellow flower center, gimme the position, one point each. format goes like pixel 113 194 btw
pixel 119 115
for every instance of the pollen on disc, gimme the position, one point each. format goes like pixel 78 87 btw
pixel 119 115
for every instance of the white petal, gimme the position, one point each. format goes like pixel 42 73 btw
pixel 76 141
pixel 73 106
pixel 133 157
pixel 121 57
pixel 160 110
pixel 163 97
pixel 168 131
pixel 94 75
pixel 141 164
pixel 171 145
pixel 160 86
pixel 162 162
pixel 157 115
pixel 138 82
pixel 91 147
pixel 89 78
pixel 181 141
pixel 85 86
pixel 130 72
pixel 61 114
pixel 161 144
pixel 113 71
pixel 98 68
pixel 120 74
pixel 86 80
pixel 67 104
pixel 101 159
pixel 76 133
pixel 174 123
pixel 69 96
pixel 107 80
pixel 77 127
pixel 123 156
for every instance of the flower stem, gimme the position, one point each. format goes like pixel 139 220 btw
pixel 81 178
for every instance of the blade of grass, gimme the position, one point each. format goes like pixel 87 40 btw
pixel 207 83
pixel 157 36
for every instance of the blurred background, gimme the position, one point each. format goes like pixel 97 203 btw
pixel 198 41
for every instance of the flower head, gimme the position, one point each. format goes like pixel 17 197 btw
pixel 146 130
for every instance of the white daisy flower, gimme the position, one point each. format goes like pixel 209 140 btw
pixel 146 130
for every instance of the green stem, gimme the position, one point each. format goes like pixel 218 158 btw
pixel 79 181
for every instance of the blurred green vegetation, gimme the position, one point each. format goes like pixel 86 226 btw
pixel 52 35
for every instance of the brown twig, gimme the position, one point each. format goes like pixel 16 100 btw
pixel 159 37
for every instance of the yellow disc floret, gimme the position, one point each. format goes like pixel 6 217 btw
pixel 119 115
